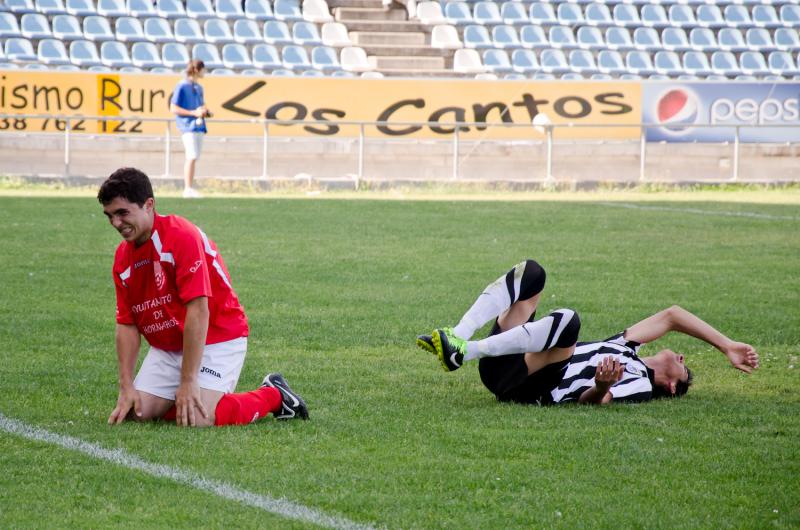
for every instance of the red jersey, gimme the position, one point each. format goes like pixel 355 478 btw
pixel 155 281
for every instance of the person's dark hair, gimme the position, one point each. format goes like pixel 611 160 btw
pixel 194 67
pixel 681 387
pixel 129 183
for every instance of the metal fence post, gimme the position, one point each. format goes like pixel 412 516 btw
pixel 455 152
pixel 549 176
pixel 736 155
pixel 642 152
pixel 360 172
pixel 265 151
pixel 167 150
pixel 67 128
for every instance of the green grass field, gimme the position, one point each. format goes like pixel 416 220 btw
pixel 337 290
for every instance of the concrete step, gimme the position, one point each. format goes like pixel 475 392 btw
pixel 332 4
pixel 367 38
pixel 369 13
pixel 400 50
pixel 409 62
pixel 396 26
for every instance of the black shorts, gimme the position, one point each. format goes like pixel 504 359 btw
pixel 507 378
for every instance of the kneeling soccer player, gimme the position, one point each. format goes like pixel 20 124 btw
pixel 173 287
pixel 540 361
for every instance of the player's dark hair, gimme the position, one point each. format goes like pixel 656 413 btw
pixel 127 182
pixel 681 387
pixel 194 67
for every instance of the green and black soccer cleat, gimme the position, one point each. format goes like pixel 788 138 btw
pixel 449 348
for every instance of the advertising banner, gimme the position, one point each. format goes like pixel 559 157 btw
pixel 316 100
pixel 685 110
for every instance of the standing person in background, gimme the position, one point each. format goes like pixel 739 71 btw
pixel 189 107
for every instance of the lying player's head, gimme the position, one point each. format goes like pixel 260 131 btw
pixel 127 199
pixel 672 377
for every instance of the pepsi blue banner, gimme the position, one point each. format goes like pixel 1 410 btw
pixel 700 112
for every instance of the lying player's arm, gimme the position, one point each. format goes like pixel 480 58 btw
pixel 195 329
pixel 675 318
pixel 127 339
pixel 608 372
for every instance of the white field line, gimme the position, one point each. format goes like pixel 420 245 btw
pixel 119 457
pixel 751 215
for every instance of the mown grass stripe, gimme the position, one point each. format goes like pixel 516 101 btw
pixel 752 215
pixel 120 457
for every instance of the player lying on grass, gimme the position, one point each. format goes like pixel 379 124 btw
pixel 173 287
pixel 529 361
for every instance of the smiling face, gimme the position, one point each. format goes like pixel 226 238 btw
pixel 133 222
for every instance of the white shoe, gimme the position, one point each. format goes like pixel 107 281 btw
pixel 191 193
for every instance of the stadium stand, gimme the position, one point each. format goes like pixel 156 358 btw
pixel 597 39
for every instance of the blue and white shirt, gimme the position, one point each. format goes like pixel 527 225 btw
pixel 578 375
pixel 189 95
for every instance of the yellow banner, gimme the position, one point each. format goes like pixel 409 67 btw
pixel 510 106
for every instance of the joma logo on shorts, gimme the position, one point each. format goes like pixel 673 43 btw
pixel 210 371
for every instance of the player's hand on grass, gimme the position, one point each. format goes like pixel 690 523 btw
pixel 128 398
pixel 608 372
pixel 188 404
pixel 742 356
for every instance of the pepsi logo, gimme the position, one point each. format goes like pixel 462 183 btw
pixel 677 110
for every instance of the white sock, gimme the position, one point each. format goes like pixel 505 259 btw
pixel 530 337
pixel 490 304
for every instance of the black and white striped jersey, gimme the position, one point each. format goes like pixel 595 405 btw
pixel 578 375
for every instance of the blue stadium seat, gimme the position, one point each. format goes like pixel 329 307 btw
pixel 570 14
pixel 601 77
pixel 497 61
pixel 200 9
pixel 111 8
pixel 710 16
pixel 514 76
pixel 476 36
pixel 541 76
pixel 100 68
pixel 208 53
pixel 781 63
pixel 731 40
pixel 173 55
pixel 277 32
pixel 598 14
pixel 745 77
pixel 487 13
pixel 458 13
pixel 703 40
pixel 759 40
pixel 158 30
pixel 35 26
pixel 553 61
pixel 114 54
pixel 737 16
pixel 306 34
pixel 675 39
pixel 610 62
pixel 66 27
pixel 295 57
pixel 724 63
pixel 682 16
pixel 266 57
pixel 20 7
pixel 654 15
pixel 325 59
pixel 753 63
pixel 9 26
pixel 514 13
pixel 282 72
pixel 145 55
pixel 35 66
pixel 228 10
pixel 252 72
pixel 342 73
pixel 162 70
pixel 50 7
pixel 312 73
pixel 787 39
pixel 246 31
pixel 505 37
pixel 646 39
pixel 765 16
pixel 668 63
pixel 235 57
pixel 217 31
pixel 790 15
pixel 188 30
pixel 524 61
pixel 639 62
pixel 222 71
pixel 590 38
pixel 287 10
pixel 258 10
pixel 572 76
pixel 618 39
pixel 562 37
pixel 97 29
pixel 170 9
pixel 542 14
pixel 582 62
pixel 533 37
pixel 52 51
pixel 131 70
pixel 83 53
pixel 694 63
pixel 129 29
pixel 141 8
pixel 626 15
pixel 81 8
